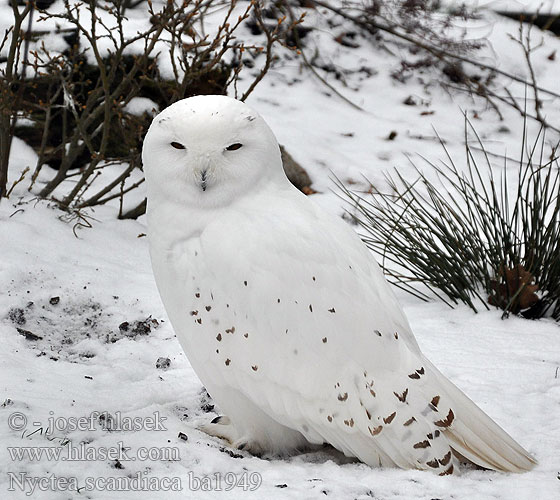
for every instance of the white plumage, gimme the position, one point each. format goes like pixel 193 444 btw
pixel 284 314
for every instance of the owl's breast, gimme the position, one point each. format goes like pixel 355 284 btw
pixel 205 318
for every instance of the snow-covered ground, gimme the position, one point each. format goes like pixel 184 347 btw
pixel 527 6
pixel 92 327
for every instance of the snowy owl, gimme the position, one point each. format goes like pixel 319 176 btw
pixel 283 312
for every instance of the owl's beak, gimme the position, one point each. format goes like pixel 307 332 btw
pixel 203 180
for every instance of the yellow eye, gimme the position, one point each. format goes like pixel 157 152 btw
pixel 234 147
pixel 177 145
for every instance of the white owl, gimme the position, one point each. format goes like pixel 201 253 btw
pixel 284 314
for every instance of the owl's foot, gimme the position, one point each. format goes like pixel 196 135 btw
pixel 221 427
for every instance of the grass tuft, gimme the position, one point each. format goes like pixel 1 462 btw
pixel 479 234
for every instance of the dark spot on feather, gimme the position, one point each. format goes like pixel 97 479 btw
pixel 436 433
pixel 231 330
pixel 197 295
pixel 421 371
pixel 376 430
pixel 194 313
pixel 396 335
pixel 430 436
pixel 349 423
pixel 324 340
pixel 372 392
pixel 228 361
pixel 310 307
pixel 329 418
pixel 255 368
pixel 414 376
pixel 313 278
pixel 332 310
pixel 279 301
pixel 435 401
pixel 199 321
pixel 422 444
pixel 390 418
pixel 343 397
pixel 433 463
pixel 448 472
pixel 245 283
pixel 208 308
pixel 368 414
pixel 409 421
pixel 446 458
pixel 402 397
pixel 378 332
pixel 219 337
pixel 246 335
pixel 447 421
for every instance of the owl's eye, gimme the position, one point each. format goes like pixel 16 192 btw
pixel 233 147
pixel 177 145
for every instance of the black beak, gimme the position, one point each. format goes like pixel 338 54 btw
pixel 203 180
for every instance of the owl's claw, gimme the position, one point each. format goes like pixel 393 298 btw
pixel 250 447
pixel 220 427
pixel 221 419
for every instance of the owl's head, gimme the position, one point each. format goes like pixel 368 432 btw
pixel 207 151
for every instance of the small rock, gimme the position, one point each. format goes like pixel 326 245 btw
pixel 294 171
pixel 230 452
pixel 207 407
pixel 142 327
pixel 410 101
pixel 392 135
pixel 17 316
pixel 29 335
pixel 163 363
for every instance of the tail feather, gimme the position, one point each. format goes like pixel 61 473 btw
pixel 478 438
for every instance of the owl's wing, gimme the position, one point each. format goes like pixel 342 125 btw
pixel 321 344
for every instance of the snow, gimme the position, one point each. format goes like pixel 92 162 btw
pixel 140 105
pixel 89 361
pixel 527 6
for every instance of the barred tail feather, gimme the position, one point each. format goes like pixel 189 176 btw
pixel 478 438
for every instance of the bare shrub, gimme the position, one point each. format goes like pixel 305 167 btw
pixel 76 101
